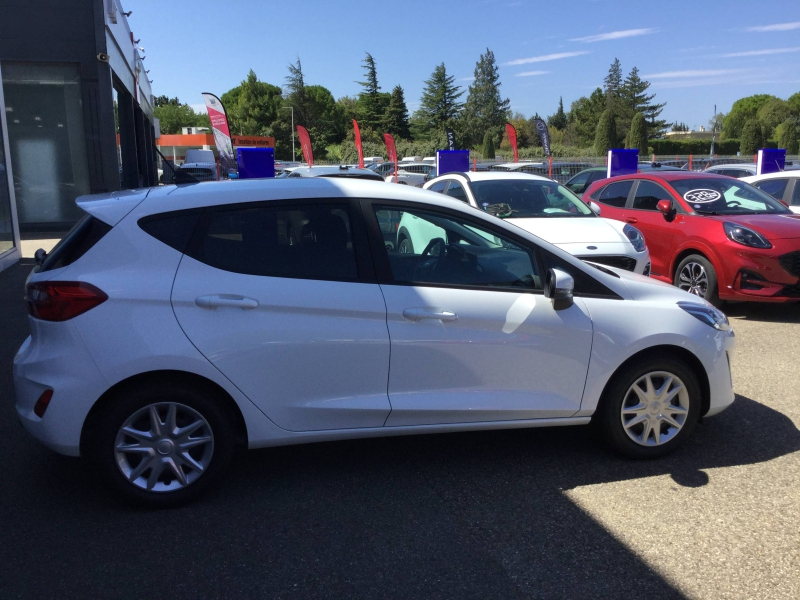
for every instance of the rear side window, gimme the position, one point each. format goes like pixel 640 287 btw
pixel 457 191
pixel 439 186
pixel 796 194
pixel 298 241
pixel 86 233
pixel 774 187
pixel 174 228
pixel 616 194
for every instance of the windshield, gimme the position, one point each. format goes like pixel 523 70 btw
pixel 528 198
pixel 726 196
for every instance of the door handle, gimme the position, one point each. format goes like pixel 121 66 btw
pixel 631 220
pixel 418 314
pixel 226 301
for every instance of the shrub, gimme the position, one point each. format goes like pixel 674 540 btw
pixel 789 136
pixel 752 137
pixel 488 145
pixel 637 137
pixel 606 133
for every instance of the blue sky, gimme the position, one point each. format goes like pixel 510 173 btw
pixel 696 54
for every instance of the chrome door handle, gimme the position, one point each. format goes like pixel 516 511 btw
pixel 418 314
pixel 226 301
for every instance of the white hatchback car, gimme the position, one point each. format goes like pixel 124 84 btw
pixel 783 186
pixel 174 324
pixel 548 210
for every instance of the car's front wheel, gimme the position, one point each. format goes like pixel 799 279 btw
pixel 162 444
pixel 695 274
pixel 650 408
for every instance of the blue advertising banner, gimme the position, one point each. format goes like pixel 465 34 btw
pixel 622 161
pixel 449 161
pixel 771 160
pixel 255 163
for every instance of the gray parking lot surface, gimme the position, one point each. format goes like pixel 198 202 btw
pixel 516 514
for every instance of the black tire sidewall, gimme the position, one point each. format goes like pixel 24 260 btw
pixel 127 402
pixel 609 412
pixel 712 295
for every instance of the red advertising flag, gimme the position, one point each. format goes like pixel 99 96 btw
pixel 511 132
pixel 391 151
pixel 305 143
pixel 359 148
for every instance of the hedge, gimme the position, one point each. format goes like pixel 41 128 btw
pixel 684 147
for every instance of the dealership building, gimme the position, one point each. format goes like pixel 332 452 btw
pixel 76 114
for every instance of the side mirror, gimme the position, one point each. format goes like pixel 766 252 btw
pixel 39 256
pixel 666 208
pixel 595 207
pixel 558 286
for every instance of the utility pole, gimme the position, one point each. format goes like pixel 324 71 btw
pixel 713 132
pixel 292 109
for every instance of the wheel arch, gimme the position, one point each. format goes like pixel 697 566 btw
pixel 660 351
pixel 688 251
pixel 184 378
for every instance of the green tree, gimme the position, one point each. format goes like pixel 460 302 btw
pixel 789 136
pixel 772 114
pixel 252 106
pixel 716 123
pixel 535 139
pixel 524 132
pixel 612 86
pixel 583 117
pixel 558 120
pixel 752 137
pixel 165 101
pixel 743 110
pixel 173 117
pixel 370 102
pixel 485 109
pixel 439 104
pixel 794 104
pixel 635 99
pixel 488 146
pixel 606 136
pixel 395 121
pixel 637 136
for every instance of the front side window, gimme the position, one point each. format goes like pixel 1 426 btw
pixel 578 183
pixel 448 250
pixel 456 190
pixel 773 187
pixel 648 195
pixel 439 186
pixel 616 194
pixel 528 198
pixel 726 196
pixel 303 242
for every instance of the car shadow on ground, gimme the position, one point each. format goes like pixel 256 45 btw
pixel 766 312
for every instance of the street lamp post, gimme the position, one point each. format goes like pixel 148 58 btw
pixel 294 156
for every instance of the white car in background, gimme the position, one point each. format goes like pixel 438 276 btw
pixel 545 209
pixel 783 186
pixel 174 325
pixel 411 173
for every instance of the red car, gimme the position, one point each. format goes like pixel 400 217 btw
pixel 711 235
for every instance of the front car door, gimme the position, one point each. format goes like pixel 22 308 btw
pixel 473 338
pixel 296 322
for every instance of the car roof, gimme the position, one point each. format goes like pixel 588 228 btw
pixel 732 166
pixel 665 175
pixel 777 175
pixel 491 175
pixel 337 171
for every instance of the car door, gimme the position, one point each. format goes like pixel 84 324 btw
pixel 297 323
pixel 661 236
pixel 473 338
pixel 613 198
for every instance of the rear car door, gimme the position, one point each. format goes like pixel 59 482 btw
pixel 613 198
pixel 661 236
pixel 473 338
pixel 297 322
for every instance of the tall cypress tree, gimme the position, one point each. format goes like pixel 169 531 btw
pixel 488 146
pixel 369 98
pixel 558 120
pixel 485 109
pixel 606 136
pixel 612 84
pixel 395 121
pixel 637 137
pixel 439 103
pixel 752 137
pixel 788 138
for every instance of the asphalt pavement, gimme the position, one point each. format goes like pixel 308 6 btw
pixel 542 513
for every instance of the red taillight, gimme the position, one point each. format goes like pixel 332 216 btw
pixel 42 403
pixel 62 300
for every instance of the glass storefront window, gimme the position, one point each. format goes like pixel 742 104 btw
pixel 6 225
pixel 47 142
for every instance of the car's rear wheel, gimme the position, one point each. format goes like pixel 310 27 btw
pixel 695 274
pixel 650 408
pixel 163 444
pixel 405 246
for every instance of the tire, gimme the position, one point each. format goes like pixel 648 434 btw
pixel 696 275
pixel 631 440
pixel 405 246
pixel 133 408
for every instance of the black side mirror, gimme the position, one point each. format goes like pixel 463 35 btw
pixel 39 256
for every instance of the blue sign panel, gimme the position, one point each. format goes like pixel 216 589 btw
pixel 622 161
pixel 771 160
pixel 255 163
pixel 449 161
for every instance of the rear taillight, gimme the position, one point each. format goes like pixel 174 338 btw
pixel 62 300
pixel 42 403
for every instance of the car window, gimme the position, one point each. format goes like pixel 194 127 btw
pixel 456 190
pixel 725 196
pixel 439 186
pixel 796 194
pixel 527 198
pixel 578 183
pixel 616 194
pixel 438 249
pixel 304 242
pixel 773 187
pixel 648 194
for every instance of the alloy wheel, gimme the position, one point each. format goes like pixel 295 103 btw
pixel 655 408
pixel 693 279
pixel 164 447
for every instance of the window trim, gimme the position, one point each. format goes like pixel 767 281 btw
pixel 365 268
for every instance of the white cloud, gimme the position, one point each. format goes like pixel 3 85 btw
pixel 775 27
pixel 613 35
pixel 466 79
pixel 531 73
pixel 761 52
pixel 695 73
pixel 543 58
